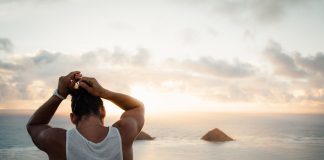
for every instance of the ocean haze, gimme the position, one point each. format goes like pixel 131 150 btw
pixel 266 136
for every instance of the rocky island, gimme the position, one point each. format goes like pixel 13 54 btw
pixel 144 136
pixel 216 135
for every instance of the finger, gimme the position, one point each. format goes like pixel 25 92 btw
pixel 71 75
pixel 71 84
pixel 85 86
pixel 88 80
pixel 78 77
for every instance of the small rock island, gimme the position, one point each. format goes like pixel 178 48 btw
pixel 144 136
pixel 216 135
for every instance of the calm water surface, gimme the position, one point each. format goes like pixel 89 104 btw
pixel 288 137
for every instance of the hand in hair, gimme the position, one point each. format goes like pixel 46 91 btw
pixel 67 82
pixel 92 86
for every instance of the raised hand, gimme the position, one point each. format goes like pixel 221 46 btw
pixel 92 86
pixel 67 82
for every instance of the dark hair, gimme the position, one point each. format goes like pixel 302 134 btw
pixel 83 103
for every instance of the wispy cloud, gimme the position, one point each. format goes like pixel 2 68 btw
pixel 5 45
pixel 294 78
pixel 295 65
pixel 262 11
pixel 219 68
pixel 284 64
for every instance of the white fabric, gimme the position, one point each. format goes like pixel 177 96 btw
pixel 79 148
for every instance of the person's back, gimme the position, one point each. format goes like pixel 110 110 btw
pixel 90 139
pixel 79 147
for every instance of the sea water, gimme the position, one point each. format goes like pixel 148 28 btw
pixel 257 136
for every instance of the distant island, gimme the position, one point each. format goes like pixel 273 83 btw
pixel 144 136
pixel 216 135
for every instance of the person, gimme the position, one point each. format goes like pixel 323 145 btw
pixel 90 139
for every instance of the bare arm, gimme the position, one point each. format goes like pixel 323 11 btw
pixel 123 101
pixel 133 108
pixel 38 127
pixel 131 121
pixel 38 123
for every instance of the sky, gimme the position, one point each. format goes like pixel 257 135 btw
pixel 259 56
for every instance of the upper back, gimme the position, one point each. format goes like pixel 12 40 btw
pixel 78 147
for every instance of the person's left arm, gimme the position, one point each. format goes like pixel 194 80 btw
pixel 38 127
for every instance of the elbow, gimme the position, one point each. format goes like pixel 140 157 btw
pixel 141 106
pixel 28 127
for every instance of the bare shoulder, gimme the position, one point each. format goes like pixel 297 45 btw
pixel 54 142
pixel 54 134
pixel 128 131
pixel 128 128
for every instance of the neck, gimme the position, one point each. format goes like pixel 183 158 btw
pixel 89 121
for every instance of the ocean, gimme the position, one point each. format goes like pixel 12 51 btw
pixel 257 136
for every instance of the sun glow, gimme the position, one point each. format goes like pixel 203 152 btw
pixel 159 101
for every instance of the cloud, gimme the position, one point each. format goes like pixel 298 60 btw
pixel 42 69
pixel 283 63
pixel 7 92
pixel 295 65
pixel 312 63
pixel 142 57
pixel 220 68
pixel 8 66
pixel 304 74
pixel 34 76
pixel 264 11
pixel 6 45
pixel 117 57
pixel 44 57
pixel 116 68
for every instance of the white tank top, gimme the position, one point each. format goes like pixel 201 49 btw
pixel 79 148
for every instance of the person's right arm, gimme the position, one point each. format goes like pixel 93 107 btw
pixel 134 109
pixel 131 121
